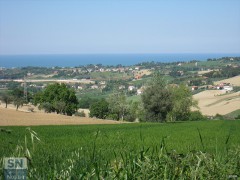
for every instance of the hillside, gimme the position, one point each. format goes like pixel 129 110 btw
pixel 11 117
pixel 235 81
pixel 212 102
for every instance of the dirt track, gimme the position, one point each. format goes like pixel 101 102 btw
pixel 11 117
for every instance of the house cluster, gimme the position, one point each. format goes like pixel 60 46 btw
pixel 222 86
pixel 132 88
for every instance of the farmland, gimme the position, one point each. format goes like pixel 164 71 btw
pixel 90 150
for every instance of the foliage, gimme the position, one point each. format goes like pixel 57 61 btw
pixel 127 151
pixel 18 102
pixel 236 88
pixel 234 114
pixel 48 107
pixel 196 116
pixel 57 98
pixel 219 117
pixel 18 97
pixel 182 103
pixel 6 98
pixel 165 103
pixel 118 105
pixel 85 102
pixel 135 112
pixel 157 99
pixel 225 72
pixel 99 109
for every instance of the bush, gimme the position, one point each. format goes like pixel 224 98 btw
pixel 219 117
pixel 238 117
pixel 99 109
pixel 86 102
pixel 196 116
pixel 112 116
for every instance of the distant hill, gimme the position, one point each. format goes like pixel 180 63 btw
pixel 212 102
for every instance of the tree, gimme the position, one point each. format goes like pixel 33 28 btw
pixel 99 109
pixel 59 106
pixel 6 98
pixel 118 105
pixel 157 99
pixel 182 102
pixel 18 102
pixel 57 98
pixel 134 112
pixel 18 97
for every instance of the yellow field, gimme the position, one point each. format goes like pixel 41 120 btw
pixel 212 102
pixel 235 81
pixel 11 117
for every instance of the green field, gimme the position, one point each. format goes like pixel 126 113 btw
pixel 93 147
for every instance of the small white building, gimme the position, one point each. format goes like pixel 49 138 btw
pixel 228 88
pixel 94 87
pixel 102 70
pixel 121 87
pixel 131 88
pixel 102 82
pixel 139 92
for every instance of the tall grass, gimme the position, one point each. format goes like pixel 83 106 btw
pixel 128 151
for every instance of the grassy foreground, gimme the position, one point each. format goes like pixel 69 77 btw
pixel 207 149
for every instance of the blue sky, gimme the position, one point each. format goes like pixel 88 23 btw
pixel 119 26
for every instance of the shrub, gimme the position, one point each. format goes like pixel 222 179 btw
pixel 219 117
pixel 238 117
pixel 196 116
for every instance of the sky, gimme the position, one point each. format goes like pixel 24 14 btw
pixel 119 26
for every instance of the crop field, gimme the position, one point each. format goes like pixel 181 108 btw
pixel 127 151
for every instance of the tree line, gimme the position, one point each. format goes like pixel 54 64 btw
pixel 159 102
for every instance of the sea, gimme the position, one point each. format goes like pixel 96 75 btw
pixel 75 60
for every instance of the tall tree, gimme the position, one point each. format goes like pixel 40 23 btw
pixel 182 103
pixel 118 105
pixel 18 102
pixel 157 99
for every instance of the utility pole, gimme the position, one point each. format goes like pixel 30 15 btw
pixel 25 88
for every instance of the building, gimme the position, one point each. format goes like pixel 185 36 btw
pixel 94 87
pixel 131 88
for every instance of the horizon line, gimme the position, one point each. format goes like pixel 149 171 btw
pixel 147 53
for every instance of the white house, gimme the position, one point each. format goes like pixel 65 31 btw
pixel 121 87
pixel 228 88
pixel 94 87
pixel 131 88
pixel 139 91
